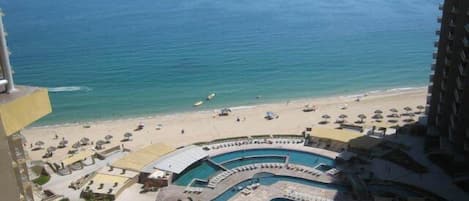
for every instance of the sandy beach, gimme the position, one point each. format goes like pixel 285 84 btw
pixel 206 125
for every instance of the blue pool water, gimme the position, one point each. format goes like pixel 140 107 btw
pixel 205 169
pixel 295 157
pixel 269 180
pixel 202 170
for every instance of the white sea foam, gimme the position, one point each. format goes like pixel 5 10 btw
pixel 69 89
pixel 244 107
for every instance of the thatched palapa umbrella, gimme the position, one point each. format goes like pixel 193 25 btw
pixel 127 136
pixel 108 138
pixel 408 109
pixel 39 144
pixel 326 117
pixel 420 108
pixel 76 145
pixel 378 112
pixel 51 149
pixel 84 140
pixel 362 117
pixel 100 143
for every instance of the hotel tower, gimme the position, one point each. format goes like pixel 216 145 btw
pixel 448 92
pixel 19 107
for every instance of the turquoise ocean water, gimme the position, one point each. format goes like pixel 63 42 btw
pixel 114 58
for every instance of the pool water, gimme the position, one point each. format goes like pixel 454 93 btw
pixel 281 199
pixel 252 160
pixel 270 179
pixel 202 170
pixel 323 167
pixel 205 169
pixel 295 157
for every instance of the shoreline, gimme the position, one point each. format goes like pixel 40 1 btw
pixel 362 93
pixel 204 125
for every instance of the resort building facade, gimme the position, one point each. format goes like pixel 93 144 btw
pixel 448 91
pixel 19 107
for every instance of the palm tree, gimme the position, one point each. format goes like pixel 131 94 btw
pixel 108 138
pixel 362 117
pixel 326 117
pixel 127 136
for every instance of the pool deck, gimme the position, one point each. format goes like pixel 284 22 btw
pixel 297 147
pixel 174 192
pixel 280 189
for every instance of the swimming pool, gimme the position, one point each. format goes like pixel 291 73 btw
pixel 207 168
pixel 268 179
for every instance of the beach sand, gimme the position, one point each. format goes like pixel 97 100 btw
pixel 205 125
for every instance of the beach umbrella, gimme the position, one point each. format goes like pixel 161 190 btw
pixel 39 143
pixel 408 109
pixel 378 112
pixel 76 145
pixel 128 135
pixel 343 116
pixel 362 117
pixel 377 116
pixel 51 149
pixel 100 143
pixel 393 110
pixel 63 143
pixel 108 138
pixel 84 140
pixel 420 108
pixel 326 117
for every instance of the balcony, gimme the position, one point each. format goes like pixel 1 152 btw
pixel 432 76
pixel 463 56
pixel 450 36
pixel 438 32
pixel 467 132
pixel 435 55
pixel 455 108
pixel 440 6
pixel 444 74
pixel 452 24
pixel 433 66
pixel 451 121
pixel 456 96
pixel 465 42
pixel 459 83
pixel 435 44
pixel 447 61
pixel 439 19
pixel 461 70
pixel 454 10
pixel 430 89
pixel 448 49
pixel 443 86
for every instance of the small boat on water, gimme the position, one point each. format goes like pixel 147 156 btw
pixel 209 97
pixel 198 103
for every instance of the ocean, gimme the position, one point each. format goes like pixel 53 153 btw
pixel 117 59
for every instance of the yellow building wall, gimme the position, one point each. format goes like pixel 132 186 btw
pixel 24 110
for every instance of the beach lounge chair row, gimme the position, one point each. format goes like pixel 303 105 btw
pixel 220 177
pixel 196 190
pixel 310 171
pixel 257 141
pixel 297 196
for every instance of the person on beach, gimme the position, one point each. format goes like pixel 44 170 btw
pixel 237 119
pixel 56 136
pixel 182 131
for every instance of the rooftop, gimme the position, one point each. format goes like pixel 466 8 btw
pixel 138 160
